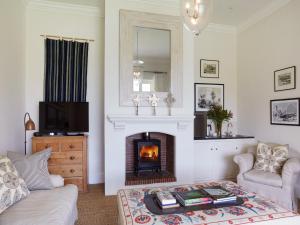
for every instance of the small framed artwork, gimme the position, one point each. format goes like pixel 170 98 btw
pixel 207 95
pixel 285 79
pixel 285 112
pixel 209 68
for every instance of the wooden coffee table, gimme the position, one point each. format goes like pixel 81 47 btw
pixel 255 209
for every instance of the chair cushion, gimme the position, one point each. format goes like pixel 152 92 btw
pixel 271 158
pixel 262 177
pixel 12 186
pixel 44 207
pixel 33 169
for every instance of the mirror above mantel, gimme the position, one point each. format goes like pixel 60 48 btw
pixel 150 57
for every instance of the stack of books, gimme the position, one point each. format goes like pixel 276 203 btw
pixel 193 197
pixel 166 200
pixel 220 195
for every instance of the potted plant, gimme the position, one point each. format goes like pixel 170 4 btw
pixel 218 115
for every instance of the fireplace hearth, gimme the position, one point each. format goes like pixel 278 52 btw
pixel 147 154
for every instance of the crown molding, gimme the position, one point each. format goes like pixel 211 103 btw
pixel 173 6
pixel 221 28
pixel 51 6
pixel 260 15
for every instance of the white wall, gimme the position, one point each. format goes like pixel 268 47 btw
pixel 271 44
pixel 12 73
pixel 220 44
pixel 71 21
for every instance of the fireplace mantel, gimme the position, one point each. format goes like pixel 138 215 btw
pixel 120 121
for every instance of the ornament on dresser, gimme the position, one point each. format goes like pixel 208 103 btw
pixel 136 101
pixel 170 101
pixel 153 100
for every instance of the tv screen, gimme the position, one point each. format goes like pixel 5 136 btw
pixel 69 117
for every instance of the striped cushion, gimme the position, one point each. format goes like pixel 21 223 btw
pixel 33 169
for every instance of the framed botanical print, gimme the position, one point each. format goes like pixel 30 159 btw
pixel 285 79
pixel 209 68
pixel 207 95
pixel 285 111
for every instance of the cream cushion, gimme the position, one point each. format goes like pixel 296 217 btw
pixel 270 158
pixel 12 186
pixel 262 177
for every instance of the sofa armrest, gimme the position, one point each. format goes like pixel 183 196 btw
pixel 290 172
pixel 245 162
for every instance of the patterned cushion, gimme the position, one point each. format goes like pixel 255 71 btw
pixel 33 169
pixel 271 158
pixel 12 186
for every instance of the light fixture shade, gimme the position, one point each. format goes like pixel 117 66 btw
pixel 30 125
pixel 196 14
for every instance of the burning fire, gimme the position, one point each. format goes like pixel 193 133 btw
pixel 149 152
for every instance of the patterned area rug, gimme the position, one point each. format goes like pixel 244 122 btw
pixel 254 209
pixel 96 209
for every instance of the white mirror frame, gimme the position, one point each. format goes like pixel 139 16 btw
pixel 131 19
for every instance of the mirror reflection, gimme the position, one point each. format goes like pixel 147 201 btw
pixel 151 60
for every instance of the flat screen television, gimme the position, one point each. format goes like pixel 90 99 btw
pixel 68 117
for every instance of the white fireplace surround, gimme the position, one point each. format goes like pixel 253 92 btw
pixel 122 126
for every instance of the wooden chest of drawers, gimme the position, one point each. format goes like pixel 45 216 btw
pixel 68 158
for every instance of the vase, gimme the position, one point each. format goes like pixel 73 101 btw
pixel 218 127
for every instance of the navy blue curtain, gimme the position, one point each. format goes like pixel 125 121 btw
pixel 65 70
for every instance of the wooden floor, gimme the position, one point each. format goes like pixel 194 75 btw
pixel 96 209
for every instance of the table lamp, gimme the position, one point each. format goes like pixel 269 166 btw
pixel 29 125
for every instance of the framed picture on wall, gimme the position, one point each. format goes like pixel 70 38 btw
pixel 209 68
pixel 207 95
pixel 285 79
pixel 285 112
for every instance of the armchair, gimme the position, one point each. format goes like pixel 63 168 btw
pixel 276 187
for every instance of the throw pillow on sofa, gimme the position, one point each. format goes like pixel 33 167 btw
pixel 33 169
pixel 271 158
pixel 12 186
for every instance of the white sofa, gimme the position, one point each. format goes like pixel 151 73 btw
pixel 282 188
pixel 46 207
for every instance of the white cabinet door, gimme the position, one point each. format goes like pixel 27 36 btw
pixel 203 161
pixel 214 158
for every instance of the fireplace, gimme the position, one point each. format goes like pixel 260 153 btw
pixel 147 154
pixel 150 158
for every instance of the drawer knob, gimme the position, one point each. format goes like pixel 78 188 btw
pixel 47 146
pixel 71 146
pixel 72 170
pixel 72 157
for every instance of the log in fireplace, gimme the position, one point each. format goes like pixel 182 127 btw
pixel 147 154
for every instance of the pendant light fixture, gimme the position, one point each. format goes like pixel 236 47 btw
pixel 196 14
pixel 137 60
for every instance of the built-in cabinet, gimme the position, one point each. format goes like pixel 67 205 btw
pixel 214 158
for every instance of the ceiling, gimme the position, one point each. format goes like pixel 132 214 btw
pixel 236 12
pixel 227 12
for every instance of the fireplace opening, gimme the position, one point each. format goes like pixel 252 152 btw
pixel 147 154
pixel 150 158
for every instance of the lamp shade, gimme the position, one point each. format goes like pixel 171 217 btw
pixel 29 124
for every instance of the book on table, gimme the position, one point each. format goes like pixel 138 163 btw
pixel 193 197
pixel 220 195
pixel 166 200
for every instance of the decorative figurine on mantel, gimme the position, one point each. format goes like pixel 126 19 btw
pixel 153 100
pixel 170 101
pixel 136 101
